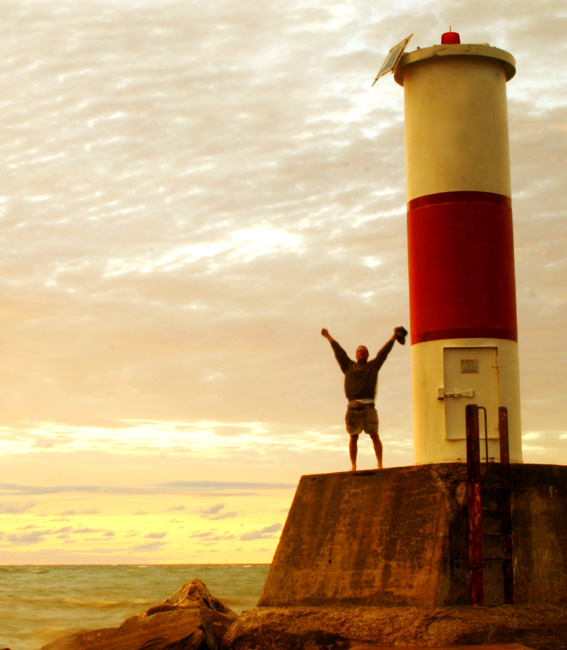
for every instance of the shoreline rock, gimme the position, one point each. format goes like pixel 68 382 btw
pixel 191 619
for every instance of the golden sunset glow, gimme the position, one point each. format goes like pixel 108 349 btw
pixel 190 192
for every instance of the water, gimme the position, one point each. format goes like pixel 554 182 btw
pixel 39 604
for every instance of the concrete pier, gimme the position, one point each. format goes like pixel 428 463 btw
pixel 398 538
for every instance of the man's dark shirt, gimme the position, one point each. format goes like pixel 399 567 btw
pixel 361 379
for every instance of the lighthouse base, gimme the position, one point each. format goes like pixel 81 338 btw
pixel 378 559
pixel 399 538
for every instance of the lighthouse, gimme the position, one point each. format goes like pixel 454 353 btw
pixel 481 554
pixel 464 334
pixel 438 552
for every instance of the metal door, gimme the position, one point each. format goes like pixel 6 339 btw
pixel 471 377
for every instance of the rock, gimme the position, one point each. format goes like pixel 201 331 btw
pixel 195 594
pixel 340 628
pixel 192 619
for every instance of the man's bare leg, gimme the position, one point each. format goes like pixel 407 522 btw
pixel 352 450
pixel 377 448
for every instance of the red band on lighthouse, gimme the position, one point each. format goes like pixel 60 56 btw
pixel 461 267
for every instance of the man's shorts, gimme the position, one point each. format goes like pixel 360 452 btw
pixel 365 419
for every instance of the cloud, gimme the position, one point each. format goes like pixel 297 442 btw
pixel 162 488
pixel 13 488
pixel 213 510
pixel 225 515
pixel 264 533
pixel 211 536
pixel 224 485
pixel 14 508
pixel 215 513
pixel 155 535
pixel 36 535
pixel 64 529
pixel 148 548
pixel 27 539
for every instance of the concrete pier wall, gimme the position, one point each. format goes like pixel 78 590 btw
pixel 398 537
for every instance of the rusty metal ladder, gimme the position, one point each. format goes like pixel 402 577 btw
pixel 477 485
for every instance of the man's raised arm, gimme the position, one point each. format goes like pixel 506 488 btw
pixel 340 355
pixel 399 335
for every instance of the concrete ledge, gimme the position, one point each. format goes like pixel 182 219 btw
pixel 341 628
pixel 491 646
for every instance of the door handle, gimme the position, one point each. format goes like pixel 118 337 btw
pixel 442 393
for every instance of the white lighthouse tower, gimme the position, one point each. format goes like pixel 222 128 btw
pixel 464 332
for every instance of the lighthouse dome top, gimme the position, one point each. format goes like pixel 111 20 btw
pixel 452 49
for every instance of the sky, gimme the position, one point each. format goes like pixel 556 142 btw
pixel 190 191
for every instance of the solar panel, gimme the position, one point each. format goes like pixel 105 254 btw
pixel 394 55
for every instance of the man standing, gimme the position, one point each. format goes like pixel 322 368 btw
pixel 361 377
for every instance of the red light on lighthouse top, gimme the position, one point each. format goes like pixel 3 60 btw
pixel 450 38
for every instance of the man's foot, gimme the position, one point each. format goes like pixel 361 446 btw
pixel 380 466
pixel 353 468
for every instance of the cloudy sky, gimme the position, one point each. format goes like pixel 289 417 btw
pixel 190 190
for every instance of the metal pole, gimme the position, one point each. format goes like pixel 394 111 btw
pixel 506 505
pixel 476 586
